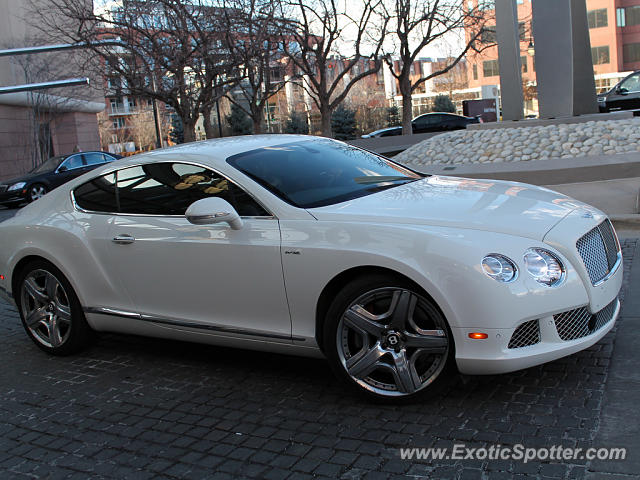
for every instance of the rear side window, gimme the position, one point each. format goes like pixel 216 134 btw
pixel 96 158
pixel 165 189
pixel 97 195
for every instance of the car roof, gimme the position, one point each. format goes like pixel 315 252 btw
pixel 439 113
pixel 217 150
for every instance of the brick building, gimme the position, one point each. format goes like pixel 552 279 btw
pixel 614 28
pixel 35 126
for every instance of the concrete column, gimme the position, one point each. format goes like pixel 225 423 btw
pixel 509 59
pixel 564 68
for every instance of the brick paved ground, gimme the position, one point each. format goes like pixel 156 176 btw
pixel 142 408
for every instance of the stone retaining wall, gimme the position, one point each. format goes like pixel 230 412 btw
pixel 527 143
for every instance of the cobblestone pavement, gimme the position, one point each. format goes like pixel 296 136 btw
pixel 142 408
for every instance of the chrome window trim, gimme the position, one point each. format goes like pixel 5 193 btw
pixel 252 217
pixel 187 324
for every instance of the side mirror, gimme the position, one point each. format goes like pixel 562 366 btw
pixel 213 210
pixel 62 168
pixel 622 91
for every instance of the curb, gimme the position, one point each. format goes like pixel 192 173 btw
pixel 626 218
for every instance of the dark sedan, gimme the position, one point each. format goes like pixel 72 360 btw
pixel 429 122
pixel 624 96
pixel 51 174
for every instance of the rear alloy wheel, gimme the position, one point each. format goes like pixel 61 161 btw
pixel 37 191
pixel 388 340
pixel 50 311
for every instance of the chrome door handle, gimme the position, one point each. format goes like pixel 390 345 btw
pixel 123 239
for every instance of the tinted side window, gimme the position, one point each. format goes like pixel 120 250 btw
pixel 94 158
pixel 632 84
pixel 74 161
pixel 421 121
pixel 169 189
pixel 97 195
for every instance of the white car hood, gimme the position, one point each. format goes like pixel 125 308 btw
pixel 490 205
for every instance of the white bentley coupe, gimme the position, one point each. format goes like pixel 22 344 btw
pixel 309 246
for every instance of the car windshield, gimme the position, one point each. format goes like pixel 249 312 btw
pixel 316 173
pixel 49 165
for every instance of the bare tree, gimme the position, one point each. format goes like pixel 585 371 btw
pixel 417 24
pixel 326 44
pixel 253 40
pixel 169 50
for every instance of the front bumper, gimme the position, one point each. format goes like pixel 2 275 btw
pixel 13 196
pixel 493 355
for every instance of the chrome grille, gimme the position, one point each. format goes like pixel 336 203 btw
pixel 599 251
pixel 525 335
pixel 579 323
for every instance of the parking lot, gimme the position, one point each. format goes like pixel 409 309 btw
pixel 142 408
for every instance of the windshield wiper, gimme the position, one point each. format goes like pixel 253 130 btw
pixel 381 179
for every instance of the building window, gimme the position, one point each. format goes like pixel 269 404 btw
pixel 488 34
pixel 600 55
pixel 118 122
pixel 631 53
pixel 597 18
pixel 522 31
pixel 523 62
pixel 490 68
pixel 475 71
pixel 628 16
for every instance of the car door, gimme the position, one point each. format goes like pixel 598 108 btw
pixel 202 276
pixel 626 95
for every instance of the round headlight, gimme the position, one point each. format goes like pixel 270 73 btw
pixel 544 266
pixel 499 267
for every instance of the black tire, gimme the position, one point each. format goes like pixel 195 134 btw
pixel 63 310
pixel 36 187
pixel 425 379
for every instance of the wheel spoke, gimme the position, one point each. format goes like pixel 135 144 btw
pixel 63 312
pixel 403 305
pixel 359 318
pixel 405 374
pixel 361 365
pixel 436 343
pixel 51 286
pixel 55 337
pixel 32 289
pixel 36 316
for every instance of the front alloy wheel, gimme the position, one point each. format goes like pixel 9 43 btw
pixel 392 342
pixel 37 191
pixel 50 311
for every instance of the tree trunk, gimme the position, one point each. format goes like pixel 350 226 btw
pixel 257 119
pixel 407 108
pixel 325 114
pixel 209 129
pixel 189 130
